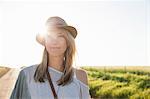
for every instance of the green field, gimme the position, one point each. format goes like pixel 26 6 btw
pixel 120 82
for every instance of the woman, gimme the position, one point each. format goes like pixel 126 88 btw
pixel 54 77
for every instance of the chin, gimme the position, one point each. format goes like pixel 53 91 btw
pixel 56 54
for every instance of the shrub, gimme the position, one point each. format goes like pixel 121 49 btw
pixel 123 92
pixel 106 89
pixel 119 79
pixel 94 87
pixel 94 74
pixel 145 83
pixel 106 77
pixel 105 92
pixel 141 95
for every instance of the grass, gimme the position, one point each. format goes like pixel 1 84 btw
pixel 3 71
pixel 126 82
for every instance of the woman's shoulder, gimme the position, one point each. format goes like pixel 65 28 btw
pixel 81 75
pixel 29 69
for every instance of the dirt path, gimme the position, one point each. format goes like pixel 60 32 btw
pixel 7 83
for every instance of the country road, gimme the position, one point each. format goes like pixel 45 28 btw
pixel 7 83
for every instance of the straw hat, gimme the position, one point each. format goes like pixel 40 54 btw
pixel 57 22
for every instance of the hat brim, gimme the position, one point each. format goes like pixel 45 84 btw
pixel 40 38
pixel 71 30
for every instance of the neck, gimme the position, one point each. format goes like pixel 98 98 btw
pixel 56 62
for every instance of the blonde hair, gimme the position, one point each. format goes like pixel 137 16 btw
pixel 40 73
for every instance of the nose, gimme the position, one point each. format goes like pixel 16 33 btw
pixel 54 40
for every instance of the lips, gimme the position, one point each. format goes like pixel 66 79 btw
pixel 55 47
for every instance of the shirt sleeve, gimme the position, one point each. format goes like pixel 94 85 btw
pixel 20 90
pixel 84 90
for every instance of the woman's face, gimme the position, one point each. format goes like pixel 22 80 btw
pixel 55 42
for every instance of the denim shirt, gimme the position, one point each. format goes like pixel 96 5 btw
pixel 27 88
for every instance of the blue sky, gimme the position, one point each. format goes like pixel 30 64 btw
pixel 112 32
